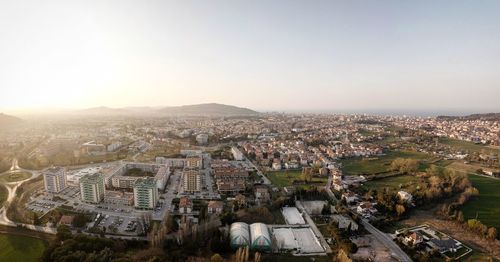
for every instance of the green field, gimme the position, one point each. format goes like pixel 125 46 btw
pixel 286 178
pixel 14 177
pixel 3 194
pixel 406 182
pixel 486 206
pixel 356 166
pixel 466 145
pixel 20 248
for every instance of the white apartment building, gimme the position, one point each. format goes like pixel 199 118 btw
pixel 54 179
pixel 92 188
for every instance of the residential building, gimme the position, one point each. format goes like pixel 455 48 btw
pixel 119 198
pixel 145 193
pixel 215 207
pixel 92 188
pixel 54 179
pixel 194 162
pixel 202 139
pixel 191 180
pixel 185 205
pixel 237 154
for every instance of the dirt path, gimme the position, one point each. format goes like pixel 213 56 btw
pixel 455 230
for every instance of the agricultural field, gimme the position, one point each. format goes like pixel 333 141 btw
pixel 286 178
pixel 14 177
pixel 15 248
pixel 486 206
pixel 468 146
pixel 374 165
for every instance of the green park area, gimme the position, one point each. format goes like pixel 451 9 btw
pixel 14 177
pixel 485 207
pixel 407 182
pixel 286 178
pixel 380 164
pixel 468 146
pixel 15 248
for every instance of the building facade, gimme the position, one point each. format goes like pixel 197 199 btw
pixel 145 193
pixel 191 180
pixel 54 179
pixel 92 188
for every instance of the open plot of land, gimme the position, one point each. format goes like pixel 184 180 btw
pixel 486 207
pixel 20 248
pixel 286 178
pixel 14 177
pixel 395 182
pixel 468 146
pixel 380 164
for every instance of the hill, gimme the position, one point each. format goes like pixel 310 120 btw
pixel 486 117
pixel 211 109
pixel 6 120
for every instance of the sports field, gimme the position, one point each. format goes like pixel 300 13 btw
pixel 20 248
pixel 486 207
pixel 356 166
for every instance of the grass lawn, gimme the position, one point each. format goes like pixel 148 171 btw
pixel 406 181
pixel 286 178
pixel 466 145
pixel 357 166
pixel 17 176
pixel 20 248
pixel 486 206
pixel 3 194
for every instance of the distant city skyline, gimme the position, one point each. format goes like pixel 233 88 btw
pixel 293 56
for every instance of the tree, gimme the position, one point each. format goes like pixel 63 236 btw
pixel 460 217
pixel 400 210
pixel 216 258
pixel 492 233
pixel 79 220
pixel 63 232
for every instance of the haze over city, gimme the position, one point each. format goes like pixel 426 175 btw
pixel 333 56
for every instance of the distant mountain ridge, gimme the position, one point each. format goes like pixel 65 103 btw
pixel 486 116
pixel 212 109
pixel 209 109
pixel 6 120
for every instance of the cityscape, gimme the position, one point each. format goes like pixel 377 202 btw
pixel 249 131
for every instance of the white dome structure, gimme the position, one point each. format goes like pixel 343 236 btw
pixel 240 235
pixel 260 237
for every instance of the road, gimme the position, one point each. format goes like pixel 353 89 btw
pixel 379 235
pixel 386 241
pixel 264 178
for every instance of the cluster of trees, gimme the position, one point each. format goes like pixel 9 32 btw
pixel 481 229
pixel 404 165
pixel 68 247
pixel 341 238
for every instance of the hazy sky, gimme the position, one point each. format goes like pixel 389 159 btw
pixel 266 55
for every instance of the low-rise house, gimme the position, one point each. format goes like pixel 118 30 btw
pixel 262 194
pixel 66 220
pixel 185 205
pixel 405 196
pixel 366 209
pixel 413 239
pixel 215 207
pixel 349 197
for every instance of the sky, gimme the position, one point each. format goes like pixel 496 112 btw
pixel 266 55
